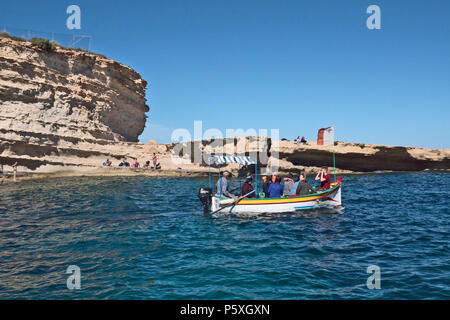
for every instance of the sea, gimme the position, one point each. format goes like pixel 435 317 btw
pixel 148 238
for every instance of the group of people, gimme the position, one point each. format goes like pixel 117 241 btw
pixel 272 187
pixel 135 164
pixel 300 141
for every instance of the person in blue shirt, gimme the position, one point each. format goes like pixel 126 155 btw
pixel 275 188
pixel 294 187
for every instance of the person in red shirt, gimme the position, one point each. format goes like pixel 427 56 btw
pixel 247 188
pixel 325 179
pixel 154 160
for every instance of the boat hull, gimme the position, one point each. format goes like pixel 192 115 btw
pixel 326 199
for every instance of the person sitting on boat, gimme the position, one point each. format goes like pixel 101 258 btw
pixel 275 188
pixel 222 186
pixel 288 184
pixel 247 188
pixel 325 179
pixel 303 187
pixel 266 184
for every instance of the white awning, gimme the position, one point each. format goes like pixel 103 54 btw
pixel 232 159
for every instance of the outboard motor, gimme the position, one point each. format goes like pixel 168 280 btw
pixel 205 196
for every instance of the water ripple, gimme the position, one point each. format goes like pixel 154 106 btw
pixel 147 238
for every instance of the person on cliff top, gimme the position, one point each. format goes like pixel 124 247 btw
pixel 325 179
pixel 266 184
pixel 303 187
pixel 275 188
pixel 288 184
pixel 222 186
pixel 247 188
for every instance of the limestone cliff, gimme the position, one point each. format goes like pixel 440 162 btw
pixel 54 102
pixel 292 157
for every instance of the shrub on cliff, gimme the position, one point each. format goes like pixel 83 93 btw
pixel 43 44
pixel 5 34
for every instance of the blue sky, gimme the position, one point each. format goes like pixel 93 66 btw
pixel 296 66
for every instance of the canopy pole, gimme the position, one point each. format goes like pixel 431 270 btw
pixel 220 183
pixel 256 177
pixel 210 185
pixel 334 164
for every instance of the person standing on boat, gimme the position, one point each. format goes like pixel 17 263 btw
pixel 325 179
pixel 222 186
pixel 275 188
pixel 303 187
pixel 247 188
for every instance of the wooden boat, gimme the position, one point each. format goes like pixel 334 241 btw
pixel 328 198
pixel 213 203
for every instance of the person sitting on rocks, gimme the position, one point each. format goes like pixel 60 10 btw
pixel 107 163
pixel 147 164
pixel 134 163
pixel 124 163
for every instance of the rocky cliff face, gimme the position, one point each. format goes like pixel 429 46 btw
pixel 65 103
pixel 349 157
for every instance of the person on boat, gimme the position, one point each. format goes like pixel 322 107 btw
pixel 222 186
pixel 247 188
pixel 275 188
pixel 303 187
pixel 325 179
pixel 266 184
pixel 288 184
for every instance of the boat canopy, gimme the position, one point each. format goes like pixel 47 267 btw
pixel 232 159
pixel 242 160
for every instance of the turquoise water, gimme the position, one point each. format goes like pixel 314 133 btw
pixel 147 238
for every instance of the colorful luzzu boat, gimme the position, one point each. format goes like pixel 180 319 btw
pixel 213 203
pixel 328 198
